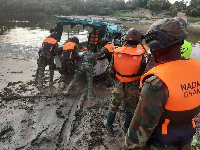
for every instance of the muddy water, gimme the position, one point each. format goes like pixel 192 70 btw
pixel 21 36
pixel 50 121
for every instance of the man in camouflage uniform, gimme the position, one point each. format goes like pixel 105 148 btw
pixel 106 49
pixel 88 60
pixel 164 117
pixel 46 57
pixel 127 65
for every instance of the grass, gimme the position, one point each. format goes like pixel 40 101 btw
pixel 127 13
pixel 193 19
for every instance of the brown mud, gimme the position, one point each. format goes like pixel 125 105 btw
pixel 45 119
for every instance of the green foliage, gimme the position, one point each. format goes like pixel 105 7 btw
pixel 127 13
pixel 173 10
pixel 194 8
pixel 180 5
pixel 98 7
pixel 155 5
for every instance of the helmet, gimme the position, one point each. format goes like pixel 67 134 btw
pixel 164 33
pixel 55 35
pixel 75 39
pixel 133 35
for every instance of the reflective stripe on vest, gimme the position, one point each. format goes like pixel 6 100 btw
pixel 110 47
pixel 94 37
pixel 127 62
pixel 164 126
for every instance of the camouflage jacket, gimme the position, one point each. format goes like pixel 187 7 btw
pixel 154 95
pixel 88 58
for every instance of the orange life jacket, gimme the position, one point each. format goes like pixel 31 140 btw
pixel 110 47
pixel 182 80
pixel 69 46
pixel 68 50
pixel 127 62
pixel 94 37
pixel 48 44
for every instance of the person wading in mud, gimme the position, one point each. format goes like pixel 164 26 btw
pixel 46 57
pixel 127 66
pixel 88 61
pixel 170 95
pixel 68 59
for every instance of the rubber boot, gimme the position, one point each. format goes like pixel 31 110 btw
pixel 127 122
pixel 109 121
pixel 66 92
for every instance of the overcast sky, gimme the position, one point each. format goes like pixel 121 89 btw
pixel 172 1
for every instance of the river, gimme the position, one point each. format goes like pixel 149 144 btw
pixel 24 34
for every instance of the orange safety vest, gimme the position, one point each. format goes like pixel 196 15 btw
pixel 182 80
pixel 94 37
pixel 48 44
pixel 127 62
pixel 110 47
pixel 69 46
pixel 68 50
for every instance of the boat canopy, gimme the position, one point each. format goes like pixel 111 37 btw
pixel 109 30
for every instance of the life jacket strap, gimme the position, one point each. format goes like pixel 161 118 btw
pixel 164 126
pixel 193 123
pixel 127 76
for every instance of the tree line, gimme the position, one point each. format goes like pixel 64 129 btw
pixel 97 7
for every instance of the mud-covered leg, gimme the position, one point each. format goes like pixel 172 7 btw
pixel 78 73
pixel 131 99
pixel 116 99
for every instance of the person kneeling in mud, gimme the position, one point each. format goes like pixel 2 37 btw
pixel 88 61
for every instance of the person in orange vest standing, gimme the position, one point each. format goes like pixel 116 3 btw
pixel 170 95
pixel 93 39
pixel 128 65
pixel 68 58
pixel 46 57
pixel 106 49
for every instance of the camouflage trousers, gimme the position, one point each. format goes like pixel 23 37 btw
pixel 68 67
pixel 46 59
pixel 88 71
pixel 126 92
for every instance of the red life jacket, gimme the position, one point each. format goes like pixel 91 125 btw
pixel 182 80
pixel 127 62
pixel 94 37
pixel 48 44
